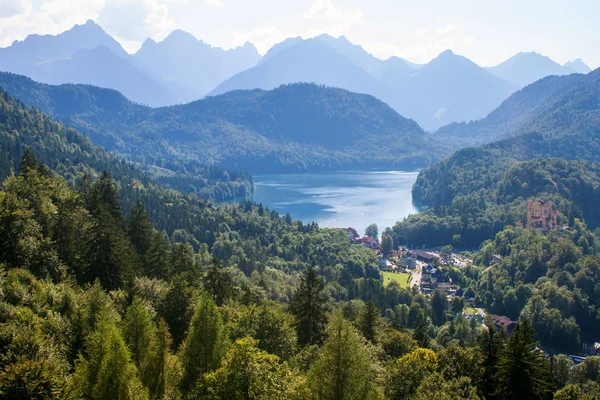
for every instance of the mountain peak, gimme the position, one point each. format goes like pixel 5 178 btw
pixel 578 66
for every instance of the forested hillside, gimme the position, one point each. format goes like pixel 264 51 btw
pixel 115 287
pixel 477 191
pixel 557 104
pixel 208 182
pixel 295 127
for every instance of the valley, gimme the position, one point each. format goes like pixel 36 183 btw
pixel 298 217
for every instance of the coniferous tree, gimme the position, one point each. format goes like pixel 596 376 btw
pixel 156 261
pixel 492 345
pixel 138 331
pixel 139 228
pixel 106 372
pixel 309 306
pixel 159 364
pixel 218 283
pixel 522 368
pixel 110 256
pixel 204 346
pixel 175 309
pixel 421 332
pixel 439 306
pixel 344 369
pixel 370 321
pixel 28 161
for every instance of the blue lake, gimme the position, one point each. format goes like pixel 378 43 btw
pixel 339 199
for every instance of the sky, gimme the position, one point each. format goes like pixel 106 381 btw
pixel 486 31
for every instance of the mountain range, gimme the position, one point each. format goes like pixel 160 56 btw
pixel 87 54
pixel 526 68
pixel 294 127
pixel 449 88
pixel 181 68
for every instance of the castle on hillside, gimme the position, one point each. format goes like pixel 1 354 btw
pixel 541 215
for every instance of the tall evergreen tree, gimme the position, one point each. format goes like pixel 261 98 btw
pixel 204 346
pixel 158 366
pixel 309 306
pixel 370 321
pixel 156 261
pixel 492 345
pixel 218 283
pixel 139 228
pixel 344 369
pixel 139 331
pixel 28 161
pixel 107 371
pixel 522 368
pixel 110 255
pixel 439 306
pixel 421 332
pixel 176 307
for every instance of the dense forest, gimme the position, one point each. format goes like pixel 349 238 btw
pixel 294 127
pixel 207 182
pixel 476 192
pixel 98 304
pixel 497 197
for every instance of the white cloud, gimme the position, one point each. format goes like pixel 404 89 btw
pixel 214 3
pixel 132 21
pixel 47 17
pixel 10 8
pixel 334 20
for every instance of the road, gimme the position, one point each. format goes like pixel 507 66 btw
pixel 416 275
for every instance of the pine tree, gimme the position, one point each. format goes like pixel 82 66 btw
pixel 109 253
pixel 344 369
pixel 204 346
pixel 492 345
pixel 309 306
pixel 156 261
pixel 28 161
pixel 421 332
pixel 522 368
pixel 138 331
pixel 107 371
pixel 439 306
pixel 370 321
pixel 218 283
pixel 176 307
pixel 158 366
pixel 139 228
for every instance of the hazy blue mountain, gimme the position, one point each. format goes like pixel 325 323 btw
pixel 291 128
pixel 309 61
pixel 526 68
pixel 87 54
pixel 578 66
pixel 191 63
pixel 450 88
pixel 516 112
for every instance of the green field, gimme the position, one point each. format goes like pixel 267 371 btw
pixel 401 278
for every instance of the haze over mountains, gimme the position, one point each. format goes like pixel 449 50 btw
pixel 181 69
pixel 87 54
pixel 292 128
pixel 526 68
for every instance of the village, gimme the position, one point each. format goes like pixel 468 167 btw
pixel 427 269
